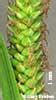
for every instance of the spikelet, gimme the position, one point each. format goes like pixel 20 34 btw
pixel 27 49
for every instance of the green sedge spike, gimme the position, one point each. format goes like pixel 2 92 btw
pixel 26 29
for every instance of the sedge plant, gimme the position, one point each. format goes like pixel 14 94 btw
pixel 27 39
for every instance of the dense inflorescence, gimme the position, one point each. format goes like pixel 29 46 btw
pixel 27 49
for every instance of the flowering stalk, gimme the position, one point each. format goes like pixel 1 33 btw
pixel 27 49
